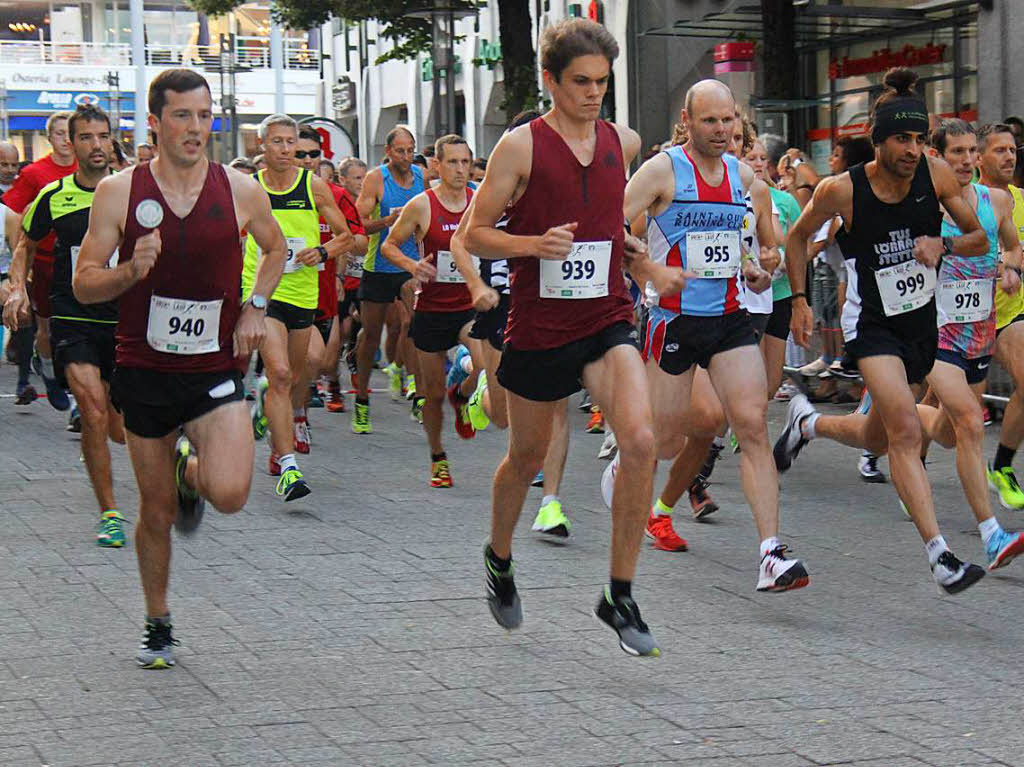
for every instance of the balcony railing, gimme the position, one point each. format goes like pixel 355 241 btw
pixel 250 53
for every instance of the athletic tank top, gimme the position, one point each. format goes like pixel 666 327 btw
pixel 700 228
pixel 295 211
pixel 394 196
pixel 197 277
pixel 327 276
pixel 562 190
pixel 442 294
pixel 966 285
pixel 879 254
pixel 1009 306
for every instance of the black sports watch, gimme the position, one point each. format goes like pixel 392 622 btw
pixel 947 246
pixel 323 253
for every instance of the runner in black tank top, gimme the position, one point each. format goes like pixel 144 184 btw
pixel 175 366
pixel 890 240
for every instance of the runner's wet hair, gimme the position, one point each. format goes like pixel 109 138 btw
pixel 278 119
pixel 990 129
pixel 452 139
pixel 950 127
pixel 571 38
pixel 87 113
pixel 309 133
pixel 177 80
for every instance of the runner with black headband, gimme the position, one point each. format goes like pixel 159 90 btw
pixel 891 239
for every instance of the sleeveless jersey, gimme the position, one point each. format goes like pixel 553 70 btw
pixel 1009 306
pixel 394 196
pixel 295 211
pixel 562 190
pixel 436 295
pixel 327 277
pixel 789 212
pixel 882 238
pixel 200 261
pixel 353 270
pixel 62 208
pixel 697 213
pixel 971 339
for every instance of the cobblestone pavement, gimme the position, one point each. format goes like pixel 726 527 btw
pixel 349 628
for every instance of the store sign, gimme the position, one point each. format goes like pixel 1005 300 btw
pixel 334 140
pixel 64 101
pixel 884 59
pixel 47 78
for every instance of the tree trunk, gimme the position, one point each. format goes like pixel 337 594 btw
pixel 518 59
pixel 778 18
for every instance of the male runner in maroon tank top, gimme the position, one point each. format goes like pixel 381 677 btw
pixel 562 178
pixel 182 334
pixel 442 313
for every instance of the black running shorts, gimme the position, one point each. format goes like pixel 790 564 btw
pixel 156 403
pixel 90 343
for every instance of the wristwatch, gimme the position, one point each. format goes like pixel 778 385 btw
pixel 258 302
pixel 947 246
pixel 323 253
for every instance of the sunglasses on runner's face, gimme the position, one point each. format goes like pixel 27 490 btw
pixel 302 155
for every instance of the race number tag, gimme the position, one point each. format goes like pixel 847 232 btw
pixel 354 267
pixel 295 244
pixel 75 249
pixel 965 301
pixel 180 326
pixel 905 287
pixel 447 271
pixel 583 273
pixel 713 255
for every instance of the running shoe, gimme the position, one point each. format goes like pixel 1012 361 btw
pixel 733 442
pixel 394 380
pixel 292 486
pixel 538 481
pixel 1004 482
pixel 463 423
pixel 190 504
pixel 714 453
pixel 456 374
pixel 701 502
pixel 623 616
pixel 502 597
pixel 986 416
pixel 792 441
pixel 416 413
pixel 302 436
pixel 273 467
pixel 335 399
pixel 813 368
pixel 596 423
pixel 409 387
pixel 74 420
pixel 867 465
pixel 609 447
pixel 110 534
pixel 26 394
pixel 608 480
pixel 157 648
pixel 584 405
pixel 781 574
pixel 54 393
pixel 786 392
pixel 259 418
pixel 315 400
pixel 441 474
pixel 353 366
pixel 551 521
pixel 663 535
pixel 1003 547
pixel 954 576
pixel 475 409
pixel 361 419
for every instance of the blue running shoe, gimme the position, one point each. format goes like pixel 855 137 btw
pixel 538 481
pixel 54 393
pixel 456 375
pixel 1003 547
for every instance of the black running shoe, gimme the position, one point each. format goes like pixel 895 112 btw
pixel 954 576
pixel 26 395
pixel 624 616
pixel 157 648
pixel 502 597
pixel 709 464
pixel 190 504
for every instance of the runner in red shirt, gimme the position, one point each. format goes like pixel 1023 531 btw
pixel 442 313
pixel 351 174
pixel 60 163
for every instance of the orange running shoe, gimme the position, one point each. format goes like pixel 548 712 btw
pixel 460 405
pixel 701 501
pixel 440 474
pixel 596 423
pixel 659 530
pixel 335 399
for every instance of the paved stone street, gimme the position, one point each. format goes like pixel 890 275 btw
pixel 349 628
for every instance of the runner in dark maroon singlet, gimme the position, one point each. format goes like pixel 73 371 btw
pixel 570 319
pixel 442 312
pixel 182 333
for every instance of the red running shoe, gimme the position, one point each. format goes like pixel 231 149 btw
pixel 301 434
pixel 273 467
pixel 460 405
pixel 659 530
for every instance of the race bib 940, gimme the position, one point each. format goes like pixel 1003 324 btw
pixel 181 326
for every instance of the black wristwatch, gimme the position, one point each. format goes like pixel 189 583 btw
pixel 323 253
pixel 947 246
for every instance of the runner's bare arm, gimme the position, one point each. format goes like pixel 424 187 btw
pixel 769 257
pixel 413 222
pixel 1008 240
pixel 12 226
pixel 631 143
pixel 369 196
pixel 92 282
pixel 973 241
pixel 17 308
pixel 484 297
pixel 342 241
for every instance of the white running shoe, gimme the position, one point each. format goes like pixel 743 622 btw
pixel 608 480
pixel 781 574
pixel 788 446
pixel 813 368
pixel 609 447
pixel 953 576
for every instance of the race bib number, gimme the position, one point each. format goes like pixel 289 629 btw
pixel 295 244
pixel 447 271
pixel 354 267
pixel 713 255
pixel 180 326
pixel 583 273
pixel 965 301
pixel 905 287
pixel 75 249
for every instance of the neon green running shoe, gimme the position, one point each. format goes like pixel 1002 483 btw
pixel 110 534
pixel 410 387
pixel 417 409
pixel 477 415
pixel 394 374
pixel 292 486
pixel 259 417
pixel 1004 482
pixel 551 521
pixel 361 420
